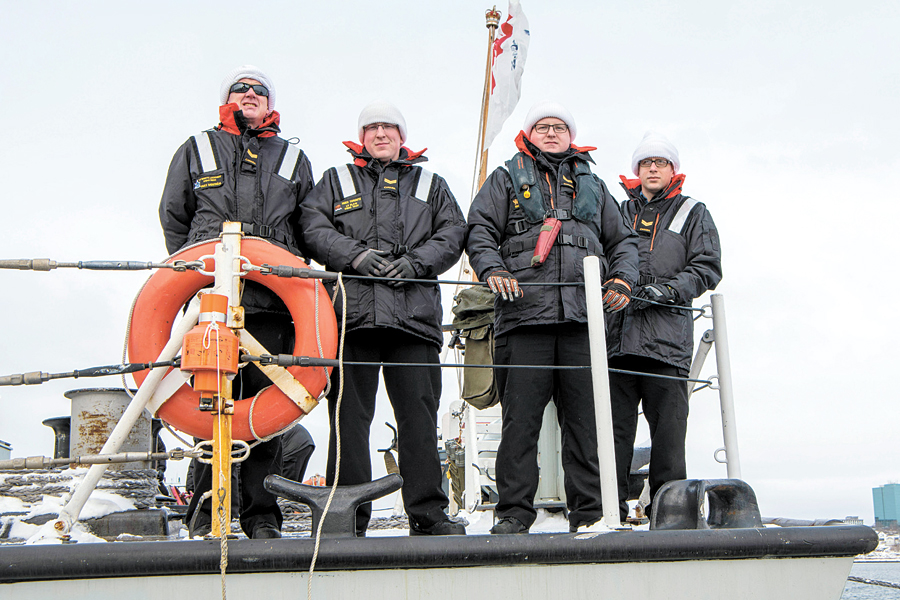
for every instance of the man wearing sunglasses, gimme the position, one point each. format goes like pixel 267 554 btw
pixel 242 171
pixel 547 185
pixel 383 215
pixel 680 259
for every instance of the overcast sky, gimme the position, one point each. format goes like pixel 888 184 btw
pixel 785 116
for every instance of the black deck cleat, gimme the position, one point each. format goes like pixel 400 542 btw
pixel 341 518
pixel 731 505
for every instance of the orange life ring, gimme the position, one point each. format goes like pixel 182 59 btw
pixel 163 297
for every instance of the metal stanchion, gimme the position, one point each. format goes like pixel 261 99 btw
pixel 726 395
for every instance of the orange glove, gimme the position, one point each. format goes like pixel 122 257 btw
pixel 617 295
pixel 503 283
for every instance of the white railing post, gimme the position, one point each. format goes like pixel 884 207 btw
pixel 472 492
pixel 726 395
pixel 69 513
pixel 606 452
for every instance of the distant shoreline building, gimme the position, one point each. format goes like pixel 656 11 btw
pixel 5 450
pixel 887 505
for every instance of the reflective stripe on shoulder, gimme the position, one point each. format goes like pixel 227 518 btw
pixel 205 152
pixel 682 215
pixel 423 188
pixel 289 161
pixel 345 181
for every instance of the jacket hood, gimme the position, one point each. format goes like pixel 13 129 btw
pixel 362 158
pixel 633 187
pixel 524 144
pixel 231 120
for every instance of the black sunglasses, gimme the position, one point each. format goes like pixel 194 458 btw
pixel 240 88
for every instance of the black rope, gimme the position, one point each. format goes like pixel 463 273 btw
pixel 308 273
pixel 706 382
pixel 673 306
pixel 45 264
pixel 289 360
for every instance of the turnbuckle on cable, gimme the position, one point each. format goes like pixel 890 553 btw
pixel 37 377
pixel 45 264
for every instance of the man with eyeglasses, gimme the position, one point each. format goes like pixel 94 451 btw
pixel 385 216
pixel 242 171
pixel 535 221
pixel 680 259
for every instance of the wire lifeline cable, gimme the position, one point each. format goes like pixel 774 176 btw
pixel 284 271
pixel 337 429
pixel 707 382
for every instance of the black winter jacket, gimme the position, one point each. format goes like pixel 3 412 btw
pixel 251 176
pixel 679 248
pixel 501 238
pixel 392 208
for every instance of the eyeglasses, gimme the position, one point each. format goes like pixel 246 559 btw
pixel 659 162
pixel 241 88
pixel 557 127
pixel 375 126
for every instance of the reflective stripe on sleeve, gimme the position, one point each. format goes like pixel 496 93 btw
pixel 289 162
pixel 345 180
pixel 682 215
pixel 207 156
pixel 423 188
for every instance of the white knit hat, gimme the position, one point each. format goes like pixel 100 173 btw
pixel 246 72
pixel 652 146
pixel 546 108
pixel 381 112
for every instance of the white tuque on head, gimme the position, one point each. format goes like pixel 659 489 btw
pixel 247 72
pixel 652 146
pixel 547 108
pixel 381 112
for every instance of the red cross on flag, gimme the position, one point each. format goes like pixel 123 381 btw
pixel 510 50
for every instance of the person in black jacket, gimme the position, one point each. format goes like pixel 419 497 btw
pixel 242 171
pixel 680 259
pixel 384 216
pixel 547 325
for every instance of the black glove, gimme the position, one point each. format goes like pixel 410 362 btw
pixel 661 293
pixel 616 296
pixel 503 283
pixel 371 263
pixel 400 268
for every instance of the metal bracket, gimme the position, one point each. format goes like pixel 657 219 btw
pixel 280 376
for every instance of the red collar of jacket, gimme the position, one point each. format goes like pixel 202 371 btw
pixel 361 156
pixel 521 144
pixel 633 187
pixel 228 121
